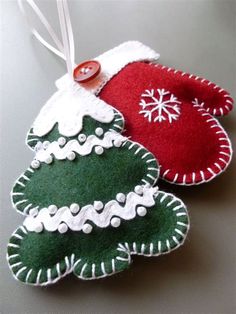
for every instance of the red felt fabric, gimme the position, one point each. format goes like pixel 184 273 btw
pixel 192 149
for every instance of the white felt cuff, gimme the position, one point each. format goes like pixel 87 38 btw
pixel 112 62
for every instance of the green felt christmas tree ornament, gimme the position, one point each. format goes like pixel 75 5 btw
pixel 89 197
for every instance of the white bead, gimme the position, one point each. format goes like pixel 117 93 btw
pixel 62 228
pixel 120 197
pixel 87 228
pixel 38 146
pixel 142 211
pixel 49 160
pixel 74 208
pixel 61 141
pixel 38 228
pixel 82 137
pixel 71 156
pixel 52 209
pixel 117 142
pixel 99 131
pixel 33 211
pixel 138 189
pixel 115 222
pixel 99 150
pixel 35 164
pixel 46 144
pixel 98 205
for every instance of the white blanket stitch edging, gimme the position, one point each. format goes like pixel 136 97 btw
pixel 123 247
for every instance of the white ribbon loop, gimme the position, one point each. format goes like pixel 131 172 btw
pixel 67 35
pixel 66 51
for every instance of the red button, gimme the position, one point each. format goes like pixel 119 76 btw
pixel 87 71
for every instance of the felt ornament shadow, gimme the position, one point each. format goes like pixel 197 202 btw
pixel 89 196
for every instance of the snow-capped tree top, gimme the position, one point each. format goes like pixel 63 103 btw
pixel 68 108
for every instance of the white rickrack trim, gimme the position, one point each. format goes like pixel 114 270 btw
pixel 114 127
pixel 125 248
pixel 54 150
pixel 150 178
pixel 224 109
pixel 87 214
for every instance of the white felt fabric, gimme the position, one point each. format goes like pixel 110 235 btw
pixel 72 102
pixel 112 61
pixel 68 108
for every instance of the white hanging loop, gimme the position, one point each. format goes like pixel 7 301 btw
pixel 67 35
pixel 65 50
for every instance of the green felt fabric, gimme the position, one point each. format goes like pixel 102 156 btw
pixel 89 126
pixel 43 258
pixel 86 179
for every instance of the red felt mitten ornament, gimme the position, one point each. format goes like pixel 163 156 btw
pixel 168 111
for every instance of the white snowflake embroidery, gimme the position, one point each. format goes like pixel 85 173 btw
pixel 164 106
pixel 197 103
